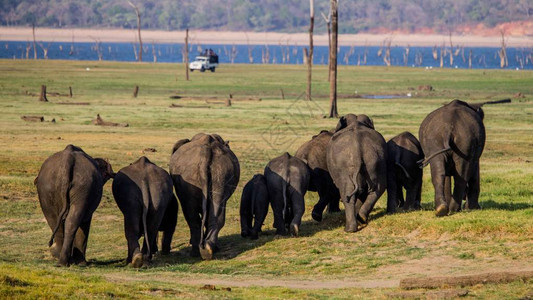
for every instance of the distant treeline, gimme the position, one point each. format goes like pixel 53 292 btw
pixel 264 15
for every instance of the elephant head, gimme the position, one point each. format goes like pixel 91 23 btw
pixel 105 169
pixel 350 119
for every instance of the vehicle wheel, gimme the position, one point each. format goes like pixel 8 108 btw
pixel 213 69
pixel 202 69
pixel 192 70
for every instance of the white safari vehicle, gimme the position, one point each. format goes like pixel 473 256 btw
pixel 208 60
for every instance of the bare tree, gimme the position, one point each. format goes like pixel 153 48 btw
pixel 503 52
pixel 45 50
pixel 310 57
pixel 98 48
pixel 328 25
pixel 138 29
pixel 34 42
pixel 186 54
pixel 333 60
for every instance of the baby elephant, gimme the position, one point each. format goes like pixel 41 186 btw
pixel 143 192
pixel 404 151
pixel 254 206
pixel 287 181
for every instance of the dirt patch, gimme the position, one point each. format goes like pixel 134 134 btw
pixel 246 281
pixel 465 280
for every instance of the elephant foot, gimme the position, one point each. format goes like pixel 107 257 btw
pixel 468 206
pixel 294 230
pixel 165 251
pixel 352 227
pixel 63 263
pixel 442 210
pixel 206 252
pixel 54 250
pixel 317 216
pixel 137 260
pixel 195 251
pixel 362 219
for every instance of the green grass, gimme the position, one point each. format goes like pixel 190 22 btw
pixel 392 247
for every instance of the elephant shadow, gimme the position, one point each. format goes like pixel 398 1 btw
pixel 509 206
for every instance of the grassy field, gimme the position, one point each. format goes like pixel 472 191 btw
pixel 325 262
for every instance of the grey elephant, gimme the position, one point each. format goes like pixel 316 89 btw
pixel 254 206
pixel 69 185
pixel 403 153
pixel 313 152
pixel 287 182
pixel 143 192
pixel 453 138
pixel 357 162
pixel 205 173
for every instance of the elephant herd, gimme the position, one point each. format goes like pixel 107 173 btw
pixel 351 163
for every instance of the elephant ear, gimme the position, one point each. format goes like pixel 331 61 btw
pixel 341 125
pixel 179 144
pixel 366 121
pixel 105 169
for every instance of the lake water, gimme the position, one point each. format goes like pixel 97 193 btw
pixel 481 58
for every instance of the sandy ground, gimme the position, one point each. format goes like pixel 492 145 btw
pixel 254 38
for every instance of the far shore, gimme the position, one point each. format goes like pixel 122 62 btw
pixel 254 38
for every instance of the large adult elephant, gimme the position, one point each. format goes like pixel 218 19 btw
pixel 403 153
pixel 205 173
pixel 287 181
pixel 357 162
pixel 453 138
pixel 313 152
pixel 69 186
pixel 143 192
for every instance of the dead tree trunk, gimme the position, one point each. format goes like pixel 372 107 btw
pixel 34 42
pixel 135 91
pixel 70 91
pixel 310 57
pixel 333 61
pixel 42 97
pixel 503 52
pixel 138 30
pixel 328 25
pixel 187 54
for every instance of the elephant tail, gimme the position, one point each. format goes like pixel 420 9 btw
pixel 66 185
pixel 397 162
pixel 355 179
pixel 285 183
pixel 206 193
pixel 403 169
pixel 424 162
pixel 146 199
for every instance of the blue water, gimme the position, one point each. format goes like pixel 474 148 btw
pixel 482 58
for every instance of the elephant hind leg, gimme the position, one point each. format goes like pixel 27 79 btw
pixel 472 197
pixel 350 211
pixel 438 178
pixel 80 244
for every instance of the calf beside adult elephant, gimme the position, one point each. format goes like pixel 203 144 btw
pixel 69 185
pixel 254 206
pixel 205 173
pixel 357 162
pixel 143 192
pixel 287 180
pixel 403 153
pixel 313 152
pixel 453 138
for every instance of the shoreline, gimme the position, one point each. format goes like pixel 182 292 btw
pixel 254 38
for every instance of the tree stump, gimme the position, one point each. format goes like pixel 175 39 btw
pixel 228 102
pixel 70 91
pixel 135 91
pixel 42 97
